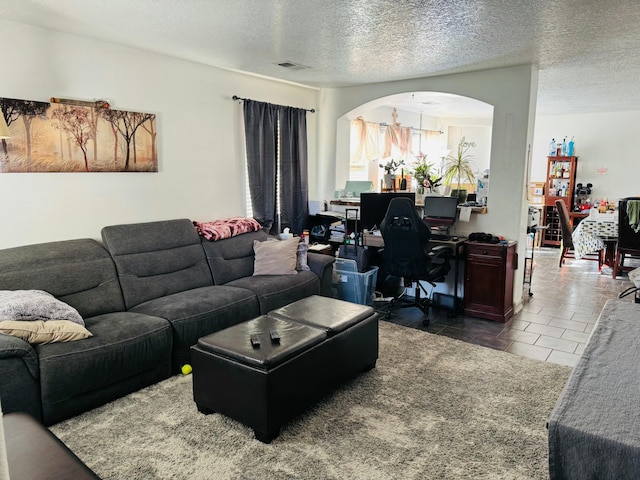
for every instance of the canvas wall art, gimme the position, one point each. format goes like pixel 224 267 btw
pixel 57 137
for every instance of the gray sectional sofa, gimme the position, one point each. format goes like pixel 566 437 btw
pixel 147 293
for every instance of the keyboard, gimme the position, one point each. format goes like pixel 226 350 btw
pixel 440 236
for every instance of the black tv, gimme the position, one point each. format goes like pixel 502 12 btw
pixel 439 211
pixel 373 207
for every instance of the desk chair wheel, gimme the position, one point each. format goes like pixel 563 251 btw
pixel 426 322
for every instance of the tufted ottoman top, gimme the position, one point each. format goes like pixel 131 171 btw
pixel 235 342
pixel 327 313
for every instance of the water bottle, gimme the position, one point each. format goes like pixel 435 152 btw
pixel 571 147
pixel 564 147
pixel 552 147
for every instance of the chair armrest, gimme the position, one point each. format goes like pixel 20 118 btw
pixel 439 262
pixel 441 251
pixel 322 266
pixel 20 373
pixel 14 347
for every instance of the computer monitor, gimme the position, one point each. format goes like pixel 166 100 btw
pixel 373 207
pixel 440 211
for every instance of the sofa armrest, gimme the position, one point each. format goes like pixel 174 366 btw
pixel 33 452
pixel 20 373
pixel 322 266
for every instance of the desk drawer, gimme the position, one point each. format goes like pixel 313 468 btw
pixel 486 250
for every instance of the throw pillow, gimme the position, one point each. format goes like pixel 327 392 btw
pixel 35 305
pixel 301 258
pixel 39 332
pixel 275 257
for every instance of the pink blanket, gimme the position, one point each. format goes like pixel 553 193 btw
pixel 226 228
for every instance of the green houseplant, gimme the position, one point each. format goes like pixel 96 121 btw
pixel 459 166
pixel 423 173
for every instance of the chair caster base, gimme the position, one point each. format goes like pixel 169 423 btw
pixel 426 322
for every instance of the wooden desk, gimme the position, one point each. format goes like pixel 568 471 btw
pixel 376 241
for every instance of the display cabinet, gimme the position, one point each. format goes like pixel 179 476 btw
pixel 560 185
pixel 489 276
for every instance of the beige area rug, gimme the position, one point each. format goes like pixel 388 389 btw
pixel 433 408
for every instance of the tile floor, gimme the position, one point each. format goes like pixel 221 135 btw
pixel 555 322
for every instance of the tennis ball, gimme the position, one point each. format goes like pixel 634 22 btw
pixel 186 369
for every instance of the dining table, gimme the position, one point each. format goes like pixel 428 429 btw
pixel 598 231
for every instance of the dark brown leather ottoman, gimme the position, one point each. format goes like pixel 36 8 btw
pixel 323 342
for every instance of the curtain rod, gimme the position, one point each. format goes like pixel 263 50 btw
pixel 235 97
pixel 414 128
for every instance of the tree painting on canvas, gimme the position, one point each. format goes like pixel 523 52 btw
pixel 56 137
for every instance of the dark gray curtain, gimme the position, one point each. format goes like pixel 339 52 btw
pixel 260 126
pixel 294 206
pixel 261 122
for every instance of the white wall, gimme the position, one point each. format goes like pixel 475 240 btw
pixel 602 141
pixel 201 173
pixel 512 92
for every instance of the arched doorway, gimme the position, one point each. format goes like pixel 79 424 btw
pixel 413 128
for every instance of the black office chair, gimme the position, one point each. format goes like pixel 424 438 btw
pixel 628 240
pixel 406 255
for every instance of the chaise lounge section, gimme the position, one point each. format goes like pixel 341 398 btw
pixel 127 351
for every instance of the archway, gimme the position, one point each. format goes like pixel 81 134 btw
pixel 432 124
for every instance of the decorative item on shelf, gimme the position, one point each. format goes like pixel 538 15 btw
pixel 458 166
pixel 390 169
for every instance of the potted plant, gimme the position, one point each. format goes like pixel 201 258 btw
pixel 390 169
pixel 423 173
pixel 458 166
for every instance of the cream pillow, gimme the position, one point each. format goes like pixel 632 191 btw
pixel 39 331
pixel 275 257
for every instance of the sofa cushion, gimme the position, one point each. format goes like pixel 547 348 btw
pixel 156 259
pixel 199 312
pixel 35 305
pixel 277 257
pixel 275 291
pixel 39 331
pixel 79 272
pixel 124 346
pixel 232 258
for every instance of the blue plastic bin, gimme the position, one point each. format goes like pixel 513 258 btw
pixel 352 286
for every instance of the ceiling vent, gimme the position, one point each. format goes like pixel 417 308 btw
pixel 292 66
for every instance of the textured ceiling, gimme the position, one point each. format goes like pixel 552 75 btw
pixel 587 51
